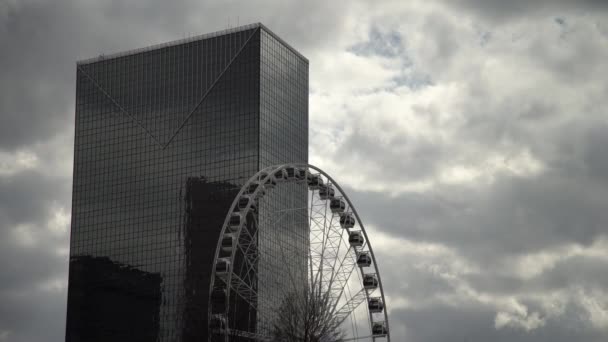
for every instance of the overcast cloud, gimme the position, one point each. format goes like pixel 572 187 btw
pixel 471 135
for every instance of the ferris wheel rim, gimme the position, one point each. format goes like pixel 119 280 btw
pixel 269 172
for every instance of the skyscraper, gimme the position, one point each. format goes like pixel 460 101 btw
pixel 164 138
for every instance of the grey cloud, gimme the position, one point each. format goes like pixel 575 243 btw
pixel 595 155
pixel 440 311
pixel 392 44
pixel 501 11
pixel 35 316
pixel 490 225
pixel 514 216
pixel 34 98
pixel 471 317
pixel 584 271
pixel 28 311
pixel 445 323
pixel 26 197
pixel 561 205
pixel 475 322
pixel 389 44
pixel 31 291
pixel 400 157
pixel 566 274
pixel 578 58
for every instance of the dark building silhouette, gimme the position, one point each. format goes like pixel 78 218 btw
pixel 165 137
pixel 113 302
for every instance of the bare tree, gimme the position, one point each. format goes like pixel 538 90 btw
pixel 306 315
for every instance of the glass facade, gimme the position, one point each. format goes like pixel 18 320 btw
pixel 165 137
pixel 284 234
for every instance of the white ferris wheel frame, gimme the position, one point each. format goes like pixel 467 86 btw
pixel 261 178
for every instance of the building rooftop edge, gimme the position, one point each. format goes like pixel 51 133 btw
pixel 274 35
pixel 103 57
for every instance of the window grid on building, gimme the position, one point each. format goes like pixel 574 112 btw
pixel 164 139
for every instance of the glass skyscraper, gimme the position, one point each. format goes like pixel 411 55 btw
pixel 165 137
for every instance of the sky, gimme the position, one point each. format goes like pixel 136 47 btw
pixel 471 135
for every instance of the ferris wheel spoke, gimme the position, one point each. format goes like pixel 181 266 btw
pixel 251 253
pixel 244 282
pixel 319 276
pixel 250 258
pixel 335 242
pixel 333 256
pixel 351 305
pixel 342 275
pixel 316 247
pixel 244 290
pixel 353 317
pixel 246 244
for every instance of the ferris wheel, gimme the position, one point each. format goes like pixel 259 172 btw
pixel 293 259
